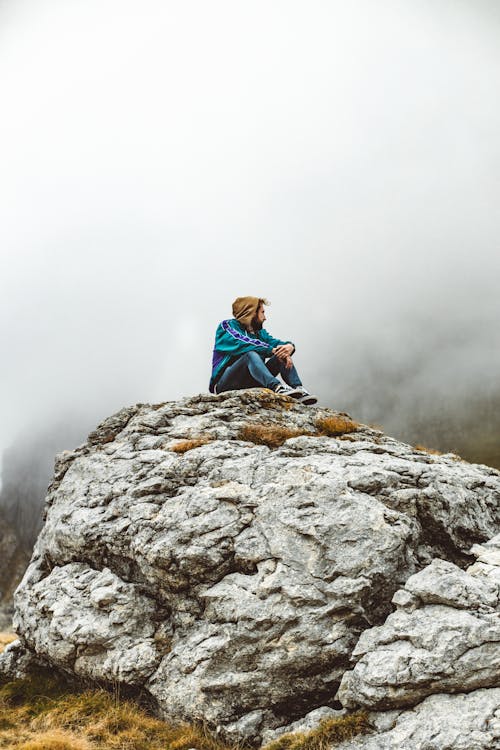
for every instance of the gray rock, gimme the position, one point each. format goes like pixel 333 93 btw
pixel 16 661
pixel 97 626
pixel 488 559
pixel 450 643
pixel 443 583
pixel 466 721
pixel 232 581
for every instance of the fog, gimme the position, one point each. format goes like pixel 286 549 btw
pixel 159 159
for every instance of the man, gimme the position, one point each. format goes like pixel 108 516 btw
pixel 242 347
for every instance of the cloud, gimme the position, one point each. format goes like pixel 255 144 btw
pixel 160 159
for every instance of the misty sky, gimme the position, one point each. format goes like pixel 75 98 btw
pixel 158 159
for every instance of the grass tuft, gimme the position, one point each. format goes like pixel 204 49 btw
pixel 187 445
pixel 328 733
pixel 34 694
pixel 271 435
pixel 270 400
pixel 44 712
pixel 274 435
pixel 337 425
pixel 55 740
pixel 431 451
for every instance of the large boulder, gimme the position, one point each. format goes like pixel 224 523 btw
pixel 224 553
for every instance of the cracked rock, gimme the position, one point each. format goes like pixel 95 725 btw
pixel 94 624
pixel 466 721
pixel 232 580
pixel 448 640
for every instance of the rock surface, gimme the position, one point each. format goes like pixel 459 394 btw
pixel 17 662
pixel 232 580
pixel 444 637
pixel 441 722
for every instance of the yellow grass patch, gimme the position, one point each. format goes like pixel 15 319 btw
pixel 42 712
pixel 272 435
pixel 56 740
pixel 187 445
pixel 432 451
pixel 328 733
pixel 270 400
pixel 336 425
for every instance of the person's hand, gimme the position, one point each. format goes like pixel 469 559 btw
pixel 288 363
pixel 284 351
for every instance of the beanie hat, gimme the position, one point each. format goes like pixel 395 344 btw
pixel 245 309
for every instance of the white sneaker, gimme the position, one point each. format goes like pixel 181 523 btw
pixel 306 397
pixel 286 390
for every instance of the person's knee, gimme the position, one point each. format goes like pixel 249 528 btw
pixel 251 357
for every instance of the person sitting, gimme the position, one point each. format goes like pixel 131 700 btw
pixel 246 356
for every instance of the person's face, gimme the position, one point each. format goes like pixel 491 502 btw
pixel 261 315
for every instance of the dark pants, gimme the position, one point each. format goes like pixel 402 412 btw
pixel 250 371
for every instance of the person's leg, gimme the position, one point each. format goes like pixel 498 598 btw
pixel 290 376
pixel 249 371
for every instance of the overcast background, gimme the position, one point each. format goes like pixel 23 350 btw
pixel 158 159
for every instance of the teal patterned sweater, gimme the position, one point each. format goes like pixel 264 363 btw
pixel 232 340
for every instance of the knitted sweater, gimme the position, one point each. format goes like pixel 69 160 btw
pixel 232 340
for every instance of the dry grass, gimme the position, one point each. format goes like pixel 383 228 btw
pixel 54 740
pixel 432 451
pixel 272 435
pixel 329 732
pixel 44 713
pixel 268 399
pixel 187 445
pixel 336 425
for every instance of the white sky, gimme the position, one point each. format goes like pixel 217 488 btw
pixel 158 159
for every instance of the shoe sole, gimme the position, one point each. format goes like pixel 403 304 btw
pixel 295 394
pixel 308 400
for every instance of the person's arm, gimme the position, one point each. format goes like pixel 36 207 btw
pixel 281 348
pixel 230 339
